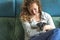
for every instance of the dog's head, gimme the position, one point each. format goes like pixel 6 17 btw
pixel 41 25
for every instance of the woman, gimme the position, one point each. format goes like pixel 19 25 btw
pixel 30 16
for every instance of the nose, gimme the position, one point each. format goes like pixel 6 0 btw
pixel 34 11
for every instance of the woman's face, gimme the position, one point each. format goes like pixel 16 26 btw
pixel 33 9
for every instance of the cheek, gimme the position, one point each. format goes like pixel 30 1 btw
pixel 36 10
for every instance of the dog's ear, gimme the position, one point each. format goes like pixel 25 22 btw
pixel 44 24
pixel 41 24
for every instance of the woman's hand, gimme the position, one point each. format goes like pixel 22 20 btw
pixel 47 28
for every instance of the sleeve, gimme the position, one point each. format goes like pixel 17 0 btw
pixel 50 20
pixel 26 26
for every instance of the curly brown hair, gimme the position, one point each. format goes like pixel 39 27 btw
pixel 25 15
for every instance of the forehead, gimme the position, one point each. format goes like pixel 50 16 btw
pixel 33 5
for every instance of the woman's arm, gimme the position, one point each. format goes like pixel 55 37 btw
pixel 26 27
pixel 50 23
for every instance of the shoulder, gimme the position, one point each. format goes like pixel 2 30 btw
pixel 45 14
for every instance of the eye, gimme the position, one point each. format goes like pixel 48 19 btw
pixel 34 8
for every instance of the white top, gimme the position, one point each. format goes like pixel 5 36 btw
pixel 45 17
